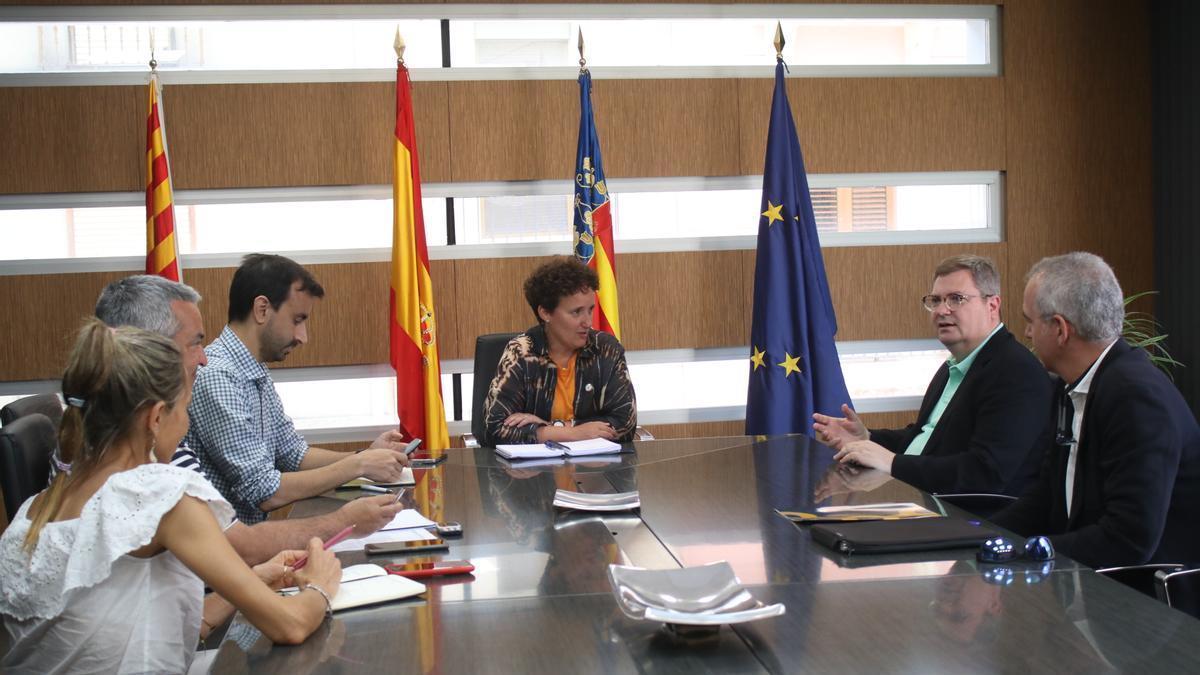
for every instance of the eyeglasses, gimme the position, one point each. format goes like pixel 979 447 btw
pixel 1002 550
pixel 953 301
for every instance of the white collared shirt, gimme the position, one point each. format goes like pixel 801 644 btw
pixel 1078 397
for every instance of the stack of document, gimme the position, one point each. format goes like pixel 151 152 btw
pixel 408 525
pixel 582 501
pixel 368 585
pixel 857 512
pixel 595 446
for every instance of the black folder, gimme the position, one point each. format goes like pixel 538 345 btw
pixel 899 536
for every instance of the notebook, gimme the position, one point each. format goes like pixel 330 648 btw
pixel 884 536
pixel 368 585
pixel 406 479
pixel 595 446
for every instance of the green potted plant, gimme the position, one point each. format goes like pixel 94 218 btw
pixel 1141 330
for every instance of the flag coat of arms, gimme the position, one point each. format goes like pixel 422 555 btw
pixel 593 215
pixel 413 320
pixel 794 366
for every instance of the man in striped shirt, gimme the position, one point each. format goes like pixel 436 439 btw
pixel 170 309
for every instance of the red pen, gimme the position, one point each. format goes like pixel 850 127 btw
pixel 328 542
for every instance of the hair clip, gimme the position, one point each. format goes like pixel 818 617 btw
pixel 76 402
pixel 61 466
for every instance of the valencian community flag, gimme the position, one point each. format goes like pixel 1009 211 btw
pixel 794 367
pixel 413 321
pixel 162 252
pixel 593 214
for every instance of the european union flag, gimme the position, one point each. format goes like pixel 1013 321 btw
pixel 794 367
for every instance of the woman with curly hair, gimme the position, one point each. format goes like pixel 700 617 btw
pixel 561 380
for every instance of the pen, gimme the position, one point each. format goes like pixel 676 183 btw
pixel 375 488
pixel 557 446
pixel 328 542
pixel 399 494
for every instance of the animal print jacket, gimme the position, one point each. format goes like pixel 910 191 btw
pixel 525 380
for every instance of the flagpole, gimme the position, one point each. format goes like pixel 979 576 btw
pixel 779 41
pixel 582 61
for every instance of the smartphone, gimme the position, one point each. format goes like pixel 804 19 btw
pixel 412 447
pixel 430 569
pixel 449 529
pixel 418 546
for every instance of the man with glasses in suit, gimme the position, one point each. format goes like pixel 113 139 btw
pixel 984 416
pixel 1121 484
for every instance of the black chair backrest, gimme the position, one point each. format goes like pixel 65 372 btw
pixel 488 349
pixel 1141 578
pixel 981 504
pixel 25 447
pixel 1181 590
pixel 46 404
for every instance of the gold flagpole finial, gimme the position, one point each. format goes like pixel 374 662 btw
pixel 779 41
pixel 399 47
pixel 153 63
pixel 582 60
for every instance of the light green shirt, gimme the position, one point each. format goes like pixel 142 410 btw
pixel 958 370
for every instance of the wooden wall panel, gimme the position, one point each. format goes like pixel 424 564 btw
pixel 877 289
pixel 683 299
pixel 697 429
pixel 92 139
pixel 513 130
pixel 39 319
pixel 850 125
pixel 267 135
pixel 491 2
pixel 348 327
pixel 657 125
pixel 1078 135
pixel 72 139
pixel 667 300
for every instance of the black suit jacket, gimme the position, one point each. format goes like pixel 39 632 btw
pixel 991 435
pixel 1137 473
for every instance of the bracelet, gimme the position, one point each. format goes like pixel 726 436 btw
pixel 328 601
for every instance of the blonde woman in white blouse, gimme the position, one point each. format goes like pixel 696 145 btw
pixel 104 571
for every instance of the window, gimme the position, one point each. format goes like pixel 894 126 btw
pixel 510 41
pixel 648 215
pixel 649 42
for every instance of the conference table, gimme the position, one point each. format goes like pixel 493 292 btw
pixel 539 600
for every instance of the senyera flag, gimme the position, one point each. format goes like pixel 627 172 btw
pixel 413 321
pixel 593 214
pixel 162 252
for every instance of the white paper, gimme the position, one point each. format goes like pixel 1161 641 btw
pixel 351 573
pixel 383 537
pixel 375 590
pixel 593 446
pixel 530 451
pixel 408 518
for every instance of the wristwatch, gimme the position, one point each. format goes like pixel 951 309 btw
pixel 558 423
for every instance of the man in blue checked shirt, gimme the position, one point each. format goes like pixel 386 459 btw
pixel 247 446
pixel 170 309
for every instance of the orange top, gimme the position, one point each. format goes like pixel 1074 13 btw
pixel 564 392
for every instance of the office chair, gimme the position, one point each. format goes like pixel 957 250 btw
pixel 25 447
pixel 1180 589
pixel 980 504
pixel 46 404
pixel 488 349
pixel 1141 578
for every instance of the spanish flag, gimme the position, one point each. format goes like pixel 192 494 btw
pixel 162 253
pixel 413 324
pixel 593 214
